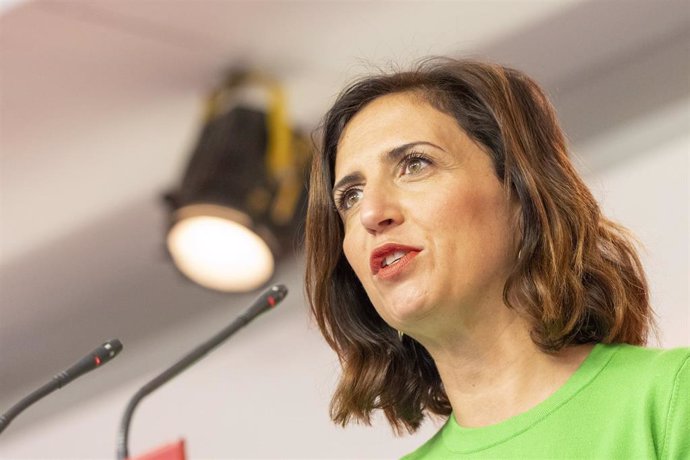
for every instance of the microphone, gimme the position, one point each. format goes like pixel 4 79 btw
pixel 267 300
pixel 96 358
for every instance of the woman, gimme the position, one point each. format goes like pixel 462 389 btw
pixel 460 267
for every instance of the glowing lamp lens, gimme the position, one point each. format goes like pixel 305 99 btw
pixel 220 254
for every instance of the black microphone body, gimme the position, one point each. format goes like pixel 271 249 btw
pixel 267 300
pixel 96 358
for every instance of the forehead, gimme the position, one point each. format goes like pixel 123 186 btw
pixel 390 121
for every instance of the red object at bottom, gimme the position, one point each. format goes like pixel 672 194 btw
pixel 172 451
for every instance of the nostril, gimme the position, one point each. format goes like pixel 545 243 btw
pixel 378 212
pixel 386 222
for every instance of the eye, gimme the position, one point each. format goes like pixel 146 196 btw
pixel 414 163
pixel 347 198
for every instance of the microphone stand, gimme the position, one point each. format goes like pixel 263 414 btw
pixel 267 300
pixel 96 358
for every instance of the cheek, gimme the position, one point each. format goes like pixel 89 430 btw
pixel 492 232
pixel 459 210
pixel 351 252
pixel 476 223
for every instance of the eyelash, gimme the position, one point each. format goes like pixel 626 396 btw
pixel 412 156
pixel 342 195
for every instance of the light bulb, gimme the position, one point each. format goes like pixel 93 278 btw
pixel 220 253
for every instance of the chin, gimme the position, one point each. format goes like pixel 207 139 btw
pixel 406 311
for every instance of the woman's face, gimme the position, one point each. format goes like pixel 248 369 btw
pixel 427 223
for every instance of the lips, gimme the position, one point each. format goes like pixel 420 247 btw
pixel 389 260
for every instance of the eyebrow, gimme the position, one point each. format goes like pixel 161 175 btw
pixel 392 156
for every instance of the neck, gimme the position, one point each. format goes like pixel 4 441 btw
pixel 493 371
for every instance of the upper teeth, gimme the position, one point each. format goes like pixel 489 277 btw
pixel 393 257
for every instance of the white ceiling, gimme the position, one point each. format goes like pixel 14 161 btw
pixel 117 85
pixel 100 105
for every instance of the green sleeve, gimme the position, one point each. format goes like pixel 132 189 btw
pixel 677 438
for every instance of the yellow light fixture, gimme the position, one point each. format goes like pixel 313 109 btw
pixel 241 193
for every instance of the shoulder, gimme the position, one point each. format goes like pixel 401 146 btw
pixel 656 382
pixel 652 363
pixel 429 449
pixel 649 373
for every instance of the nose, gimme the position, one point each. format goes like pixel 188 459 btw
pixel 380 210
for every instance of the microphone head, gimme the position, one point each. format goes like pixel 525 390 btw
pixel 106 352
pixel 278 292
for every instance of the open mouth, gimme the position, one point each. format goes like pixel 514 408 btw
pixel 389 259
pixel 393 258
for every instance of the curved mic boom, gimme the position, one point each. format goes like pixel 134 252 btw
pixel 269 299
pixel 96 358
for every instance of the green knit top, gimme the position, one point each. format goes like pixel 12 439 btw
pixel 624 402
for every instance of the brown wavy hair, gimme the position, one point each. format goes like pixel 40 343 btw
pixel 577 276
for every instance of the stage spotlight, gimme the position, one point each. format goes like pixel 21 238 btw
pixel 243 192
